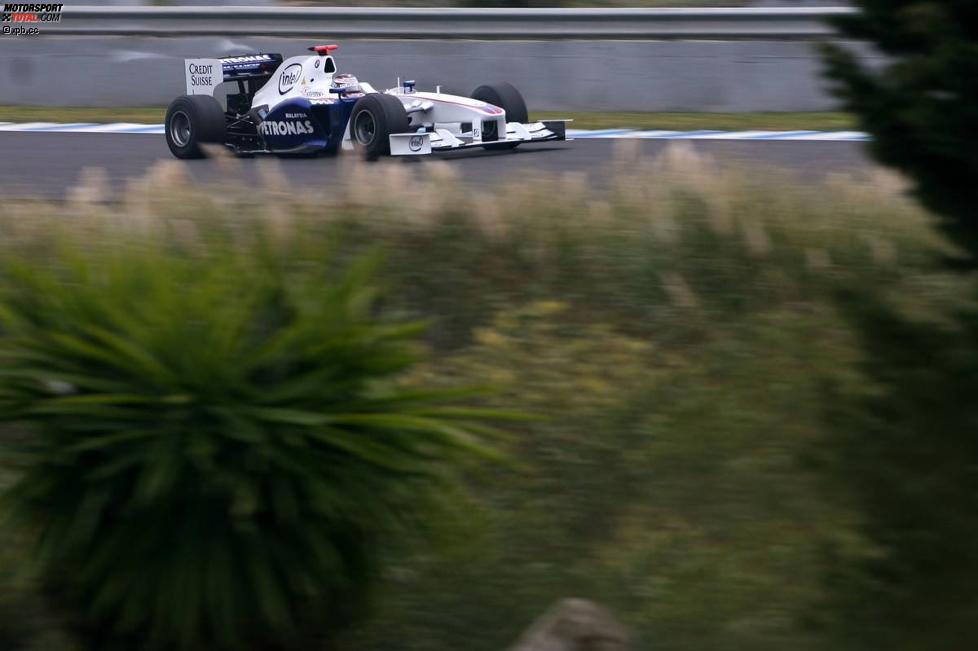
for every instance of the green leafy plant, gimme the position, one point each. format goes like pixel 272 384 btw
pixel 218 447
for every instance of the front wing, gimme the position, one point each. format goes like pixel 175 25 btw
pixel 441 139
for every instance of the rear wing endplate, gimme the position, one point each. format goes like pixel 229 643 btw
pixel 204 75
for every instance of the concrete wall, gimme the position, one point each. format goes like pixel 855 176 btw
pixel 554 75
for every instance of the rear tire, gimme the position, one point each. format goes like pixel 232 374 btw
pixel 505 96
pixel 374 118
pixel 193 120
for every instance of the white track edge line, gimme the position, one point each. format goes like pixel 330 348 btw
pixel 647 134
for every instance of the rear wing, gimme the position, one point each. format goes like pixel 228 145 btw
pixel 204 75
pixel 250 66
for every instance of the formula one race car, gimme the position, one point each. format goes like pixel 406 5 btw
pixel 303 106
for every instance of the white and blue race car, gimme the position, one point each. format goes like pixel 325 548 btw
pixel 304 106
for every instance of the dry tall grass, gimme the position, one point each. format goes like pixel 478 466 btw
pixel 674 233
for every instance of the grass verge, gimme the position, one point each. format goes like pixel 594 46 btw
pixel 94 114
pixel 582 120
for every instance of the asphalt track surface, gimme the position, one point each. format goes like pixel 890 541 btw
pixel 47 165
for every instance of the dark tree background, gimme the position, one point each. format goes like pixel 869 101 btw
pixel 906 451
pixel 922 107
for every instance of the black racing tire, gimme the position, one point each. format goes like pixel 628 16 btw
pixel 374 118
pixel 193 120
pixel 505 96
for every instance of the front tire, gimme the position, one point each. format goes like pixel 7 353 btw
pixel 193 120
pixel 374 118
pixel 505 96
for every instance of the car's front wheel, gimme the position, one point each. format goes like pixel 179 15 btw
pixel 505 96
pixel 191 121
pixel 375 117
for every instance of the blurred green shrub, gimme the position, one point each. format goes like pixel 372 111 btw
pixel 902 451
pixel 216 443
pixel 665 482
pixel 26 623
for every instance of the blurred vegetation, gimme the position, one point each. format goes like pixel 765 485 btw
pixel 215 447
pixel 674 340
pixel 903 450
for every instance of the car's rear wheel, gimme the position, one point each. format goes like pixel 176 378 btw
pixel 191 121
pixel 375 117
pixel 505 96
